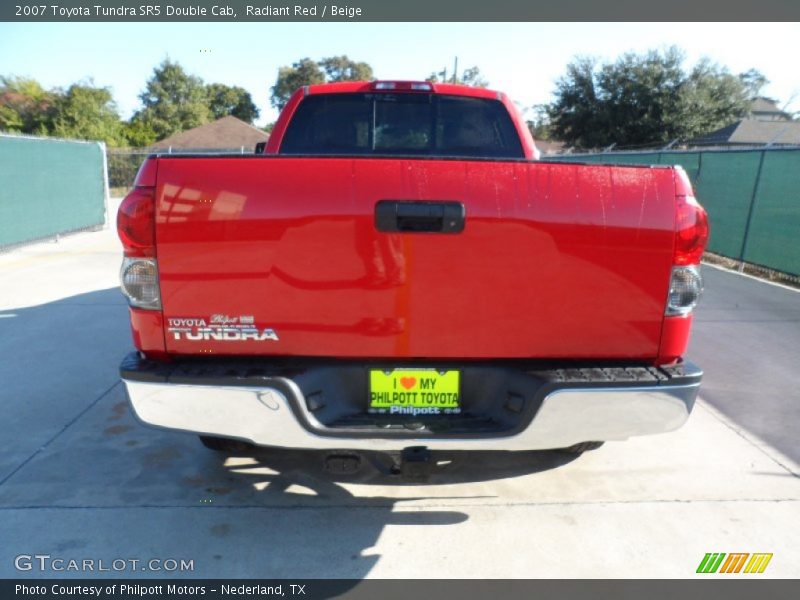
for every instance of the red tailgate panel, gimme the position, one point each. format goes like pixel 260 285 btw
pixel 556 260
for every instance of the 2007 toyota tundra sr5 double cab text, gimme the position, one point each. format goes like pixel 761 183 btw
pixel 395 270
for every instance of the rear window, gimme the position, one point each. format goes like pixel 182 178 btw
pixel 405 124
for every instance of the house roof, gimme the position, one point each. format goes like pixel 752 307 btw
pixel 752 132
pixel 767 106
pixel 227 133
pixel 550 146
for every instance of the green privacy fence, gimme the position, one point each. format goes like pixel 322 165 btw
pixel 752 198
pixel 49 187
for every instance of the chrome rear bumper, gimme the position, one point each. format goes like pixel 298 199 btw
pixel 264 416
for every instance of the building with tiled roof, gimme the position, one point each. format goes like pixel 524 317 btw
pixel 227 134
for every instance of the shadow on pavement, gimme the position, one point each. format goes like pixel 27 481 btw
pixel 56 359
pixel 449 467
pixel 273 512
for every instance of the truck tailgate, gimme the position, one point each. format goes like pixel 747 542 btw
pixel 554 261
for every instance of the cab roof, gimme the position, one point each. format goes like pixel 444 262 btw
pixel 390 86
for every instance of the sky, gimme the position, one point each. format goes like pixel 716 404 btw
pixel 522 59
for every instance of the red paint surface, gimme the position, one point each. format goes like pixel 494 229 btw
pixel 556 260
pixel 147 327
pixel 674 339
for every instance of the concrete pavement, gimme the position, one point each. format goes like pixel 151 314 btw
pixel 747 339
pixel 80 478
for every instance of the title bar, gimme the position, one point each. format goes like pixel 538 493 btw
pixel 397 10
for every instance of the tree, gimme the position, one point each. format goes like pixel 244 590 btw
pixel 173 101
pixel 10 119
pixel 643 99
pixel 304 72
pixel 83 111
pixel 712 98
pixel 89 113
pixel 753 80
pixel 309 72
pixel 576 113
pixel 471 76
pixel 341 68
pixel 25 106
pixel 540 125
pixel 138 134
pixel 225 100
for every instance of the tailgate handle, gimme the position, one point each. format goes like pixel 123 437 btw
pixel 426 217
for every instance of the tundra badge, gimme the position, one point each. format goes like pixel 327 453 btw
pixel 219 327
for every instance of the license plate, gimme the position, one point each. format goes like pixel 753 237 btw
pixel 414 392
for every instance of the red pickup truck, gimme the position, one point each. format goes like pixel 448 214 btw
pixel 397 269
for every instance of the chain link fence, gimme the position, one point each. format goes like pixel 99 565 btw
pixel 122 168
pixel 124 163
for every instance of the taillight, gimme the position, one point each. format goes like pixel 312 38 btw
pixel 136 225
pixel 685 287
pixel 691 237
pixel 691 231
pixel 139 282
pixel 136 228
